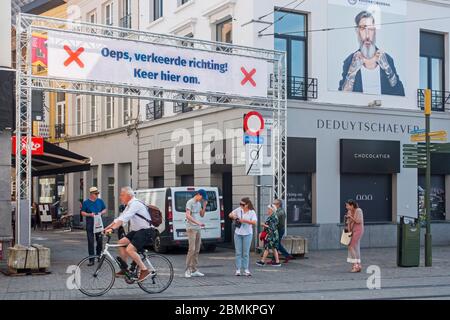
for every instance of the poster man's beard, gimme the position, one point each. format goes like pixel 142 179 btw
pixel 368 51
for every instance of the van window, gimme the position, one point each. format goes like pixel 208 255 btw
pixel 181 197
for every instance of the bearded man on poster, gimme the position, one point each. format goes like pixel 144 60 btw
pixel 370 70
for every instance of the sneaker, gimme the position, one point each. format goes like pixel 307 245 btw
pixel 260 263
pixel 248 273
pixel 143 275
pixel 237 273
pixel 91 263
pixel 197 274
pixel 274 264
pixel 187 274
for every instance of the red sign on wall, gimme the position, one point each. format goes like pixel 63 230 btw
pixel 37 145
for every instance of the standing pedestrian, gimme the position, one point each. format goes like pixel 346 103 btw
pixel 270 237
pixel 355 223
pixel 195 210
pixel 281 215
pixel 244 219
pixel 91 207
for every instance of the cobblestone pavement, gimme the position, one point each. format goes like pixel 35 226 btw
pixel 322 275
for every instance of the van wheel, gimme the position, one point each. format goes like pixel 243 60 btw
pixel 157 245
pixel 210 247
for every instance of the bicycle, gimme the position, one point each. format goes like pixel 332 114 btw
pixel 98 279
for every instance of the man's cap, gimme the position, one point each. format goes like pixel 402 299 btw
pixel 93 190
pixel 203 193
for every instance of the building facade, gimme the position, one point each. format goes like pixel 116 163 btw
pixel 355 79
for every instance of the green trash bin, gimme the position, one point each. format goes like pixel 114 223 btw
pixel 408 242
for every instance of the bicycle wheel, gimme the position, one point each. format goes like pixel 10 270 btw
pixel 162 274
pixel 95 280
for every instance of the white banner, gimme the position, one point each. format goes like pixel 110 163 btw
pixel 83 57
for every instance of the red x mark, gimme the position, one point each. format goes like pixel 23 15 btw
pixel 248 77
pixel 74 56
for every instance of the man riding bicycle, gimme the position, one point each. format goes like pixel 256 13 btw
pixel 140 235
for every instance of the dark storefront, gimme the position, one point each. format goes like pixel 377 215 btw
pixel 440 167
pixel 301 165
pixel 367 167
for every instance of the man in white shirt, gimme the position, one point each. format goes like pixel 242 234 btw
pixel 137 214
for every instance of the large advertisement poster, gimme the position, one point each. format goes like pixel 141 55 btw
pixel 94 58
pixel 366 42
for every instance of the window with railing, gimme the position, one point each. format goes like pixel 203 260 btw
pixel 154 110
pixel 126 109
pixel 432 71
pixel 157 9
pixel 125 21
pixel 93 113
pixel 182 107
pixel 109 112
pixel 79 115
pixel 224 33
pixel 291 36
pixel 109 14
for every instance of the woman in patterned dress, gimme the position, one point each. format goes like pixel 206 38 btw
pixel 272 239
pixel 355 223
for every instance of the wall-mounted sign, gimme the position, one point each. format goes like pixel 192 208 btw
pixel 254 159
pixel 370 156
pixel 37 145
pixel 98 58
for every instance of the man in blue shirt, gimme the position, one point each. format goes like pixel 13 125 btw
pixel 90 208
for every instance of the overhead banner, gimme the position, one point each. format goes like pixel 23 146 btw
pixel 367 46
pixel 95 58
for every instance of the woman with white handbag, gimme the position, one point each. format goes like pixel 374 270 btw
pixel 355 226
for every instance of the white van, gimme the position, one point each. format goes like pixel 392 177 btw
pixel 172 204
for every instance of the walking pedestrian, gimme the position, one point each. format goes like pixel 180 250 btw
pixel 281 215
pixel 355 223
pixel 91 207
pixel 270 237
pixel 244 219
pixel 195 210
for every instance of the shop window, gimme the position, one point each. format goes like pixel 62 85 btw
pixel 299 198
pixel 437 196
pixel 373 192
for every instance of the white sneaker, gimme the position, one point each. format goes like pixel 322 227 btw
pixel 197 274
pixel 248 273
pixel 238 273
pixel 187 274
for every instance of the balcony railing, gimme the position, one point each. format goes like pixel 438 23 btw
pixel 60 131
pixel 125 21
pixel 299 88
pixel 154 110
pixel 440 100
pixel 182 107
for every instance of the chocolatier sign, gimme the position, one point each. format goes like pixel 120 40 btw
pixel 370 156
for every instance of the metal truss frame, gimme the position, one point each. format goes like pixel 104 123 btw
pixel 275 103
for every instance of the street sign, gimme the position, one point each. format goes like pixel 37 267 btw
pixel 37 146
pixel 440 135
pixel 253 123
pixel 254 159
pixel 253 139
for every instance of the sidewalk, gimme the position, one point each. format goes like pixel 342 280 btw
pixel 322 275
